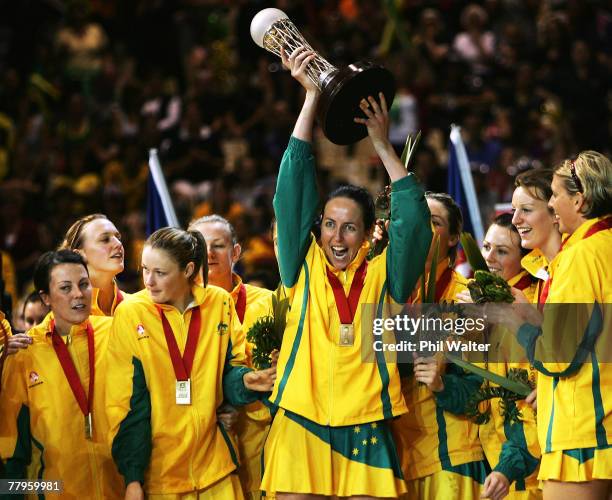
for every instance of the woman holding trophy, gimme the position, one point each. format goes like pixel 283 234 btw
pixel 330 435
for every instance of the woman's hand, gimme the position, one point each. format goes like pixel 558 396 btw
pixel 228 416
pixel 297 63
pixel 260 380
pixel 17 342
pixel 134 491
pixel 496 486
pixel 519 296
pixel 428 371
pixel 532 399
pixel 464 297
pixel 377 120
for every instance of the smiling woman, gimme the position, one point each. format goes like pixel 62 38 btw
pixel 99 242
pixel 54 390
pixel 574 407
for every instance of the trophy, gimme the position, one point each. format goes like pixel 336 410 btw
pixel 341 89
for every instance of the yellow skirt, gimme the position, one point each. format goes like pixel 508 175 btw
pixel 579 465
pixel 465 482
pixel 252 428
pixel 301 456
pixel 224 489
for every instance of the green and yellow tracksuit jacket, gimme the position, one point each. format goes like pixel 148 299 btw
pixel 317 378
pixel 41 424
pixel 173 448
pixel 574 400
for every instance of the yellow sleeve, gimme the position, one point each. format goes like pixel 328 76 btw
pixel 15 435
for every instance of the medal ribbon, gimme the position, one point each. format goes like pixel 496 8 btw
pixel 182 364
pixel 442 284
pixel 241 302
pixel 348 307
pixel 85 402
pixel 602 225
pixel 524 282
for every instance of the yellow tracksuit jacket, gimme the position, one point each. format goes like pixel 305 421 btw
pixel 174 448
pixel 536 264
pixel 574 398
pixel 95 308
pixel 5 329
pixel 431 438
pixel 41 423
pixel 531 290
pixel 318 379
pixel 253 419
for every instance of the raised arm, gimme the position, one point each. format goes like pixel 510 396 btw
pixel 410 227
pixel 296 198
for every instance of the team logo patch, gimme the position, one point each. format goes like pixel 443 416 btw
pixel 140 330
pixel 222 328
pixel 34 379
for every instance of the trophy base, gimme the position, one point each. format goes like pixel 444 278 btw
pixel 341 92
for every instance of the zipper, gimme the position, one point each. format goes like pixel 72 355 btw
pixel 91 450
pixel 194 411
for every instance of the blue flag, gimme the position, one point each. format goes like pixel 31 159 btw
pixel 160 211
pixel 460 185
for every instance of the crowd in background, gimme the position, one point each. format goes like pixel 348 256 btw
pixel 88 87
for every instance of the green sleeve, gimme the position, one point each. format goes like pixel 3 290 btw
pixel 409 237
pixel 515 460
pixel 234 391
pixel 16 465
pixel 131 448
pixel 295 207
pixel 560 319
pixel 459 387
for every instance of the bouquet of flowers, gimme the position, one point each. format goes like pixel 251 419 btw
pixel 267 332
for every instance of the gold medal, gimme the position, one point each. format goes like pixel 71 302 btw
pixel 347 334
pixel 183 392
pixel 88 427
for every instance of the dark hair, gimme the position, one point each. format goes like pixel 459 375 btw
pixel 455 219
pixel 74 236
pixel 184 247
pixel 537 181
pixel 360 196
pixel 32 298
pixel 46 263
pixel 505 220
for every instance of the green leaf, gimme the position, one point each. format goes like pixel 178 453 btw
pixel 409 149
pixel 472 252
pixel 512 385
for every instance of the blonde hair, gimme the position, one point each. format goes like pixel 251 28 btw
pixel 589 173
pixel 183 247
pixel 74 236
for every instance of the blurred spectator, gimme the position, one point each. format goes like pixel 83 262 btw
pixel 82 99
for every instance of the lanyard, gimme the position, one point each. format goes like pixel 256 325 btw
pixel 182 364
pixel 524 282
pixel 595 228
pixel 442 284
pixel 84 401
pixel 347 307
pixel 241 302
